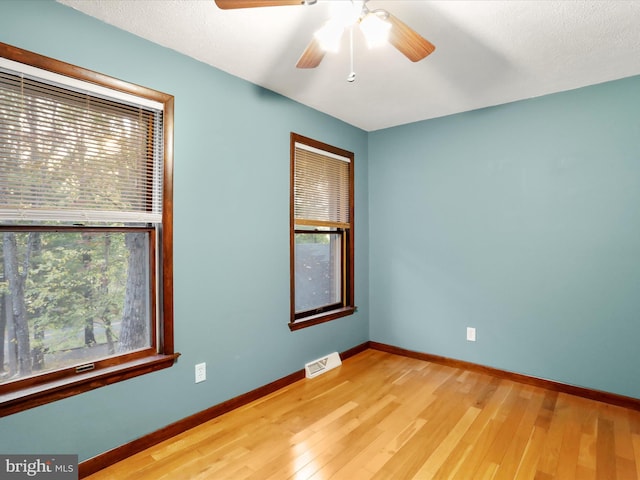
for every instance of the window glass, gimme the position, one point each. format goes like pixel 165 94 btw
pixel 318 259
pixel 75 289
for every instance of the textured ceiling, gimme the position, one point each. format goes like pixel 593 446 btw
pixel 487 52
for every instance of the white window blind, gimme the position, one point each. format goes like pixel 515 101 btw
pixel 72 156
pixel 321 188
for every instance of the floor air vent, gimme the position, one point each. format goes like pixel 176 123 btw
pixel 321 365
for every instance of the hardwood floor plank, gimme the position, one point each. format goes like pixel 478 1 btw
pixel 451 467
pixel 635 440
pixel 548 408
pixel 584 473
pixel 570 446
pixel 477 460
pixel 556 426
pixel 543 476
pixel 528 465
pixel 354 442
pixel 442 452
pixel 366 462
pixel 467 456
pixel 515 450
pixel 505 436
pixel 441 415
pixel 384 416
pixel 488 471
pixel 209 466
pixel 382 456
pixel 605 450
pixel 625 455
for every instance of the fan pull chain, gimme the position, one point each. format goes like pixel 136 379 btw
pixel 352 75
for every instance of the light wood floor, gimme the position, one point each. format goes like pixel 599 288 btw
pixel 387 417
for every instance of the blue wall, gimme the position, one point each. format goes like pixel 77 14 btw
pixel 521 220
pixel 231 237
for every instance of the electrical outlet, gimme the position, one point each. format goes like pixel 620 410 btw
pixel 201 372
pixel 471 334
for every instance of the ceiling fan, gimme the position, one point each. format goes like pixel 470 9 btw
pixel 378 26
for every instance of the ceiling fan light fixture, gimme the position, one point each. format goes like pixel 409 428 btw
pixel 378 27
pixel 329 36
pixel 375 30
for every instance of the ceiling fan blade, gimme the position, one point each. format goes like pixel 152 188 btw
pixel 408 41
pixel 312 55
pixel 230 4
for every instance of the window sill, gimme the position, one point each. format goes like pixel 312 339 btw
pixel 34 396
pixel 321 318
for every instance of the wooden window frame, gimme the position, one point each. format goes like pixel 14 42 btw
pixel 347 305
pixel 37 390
